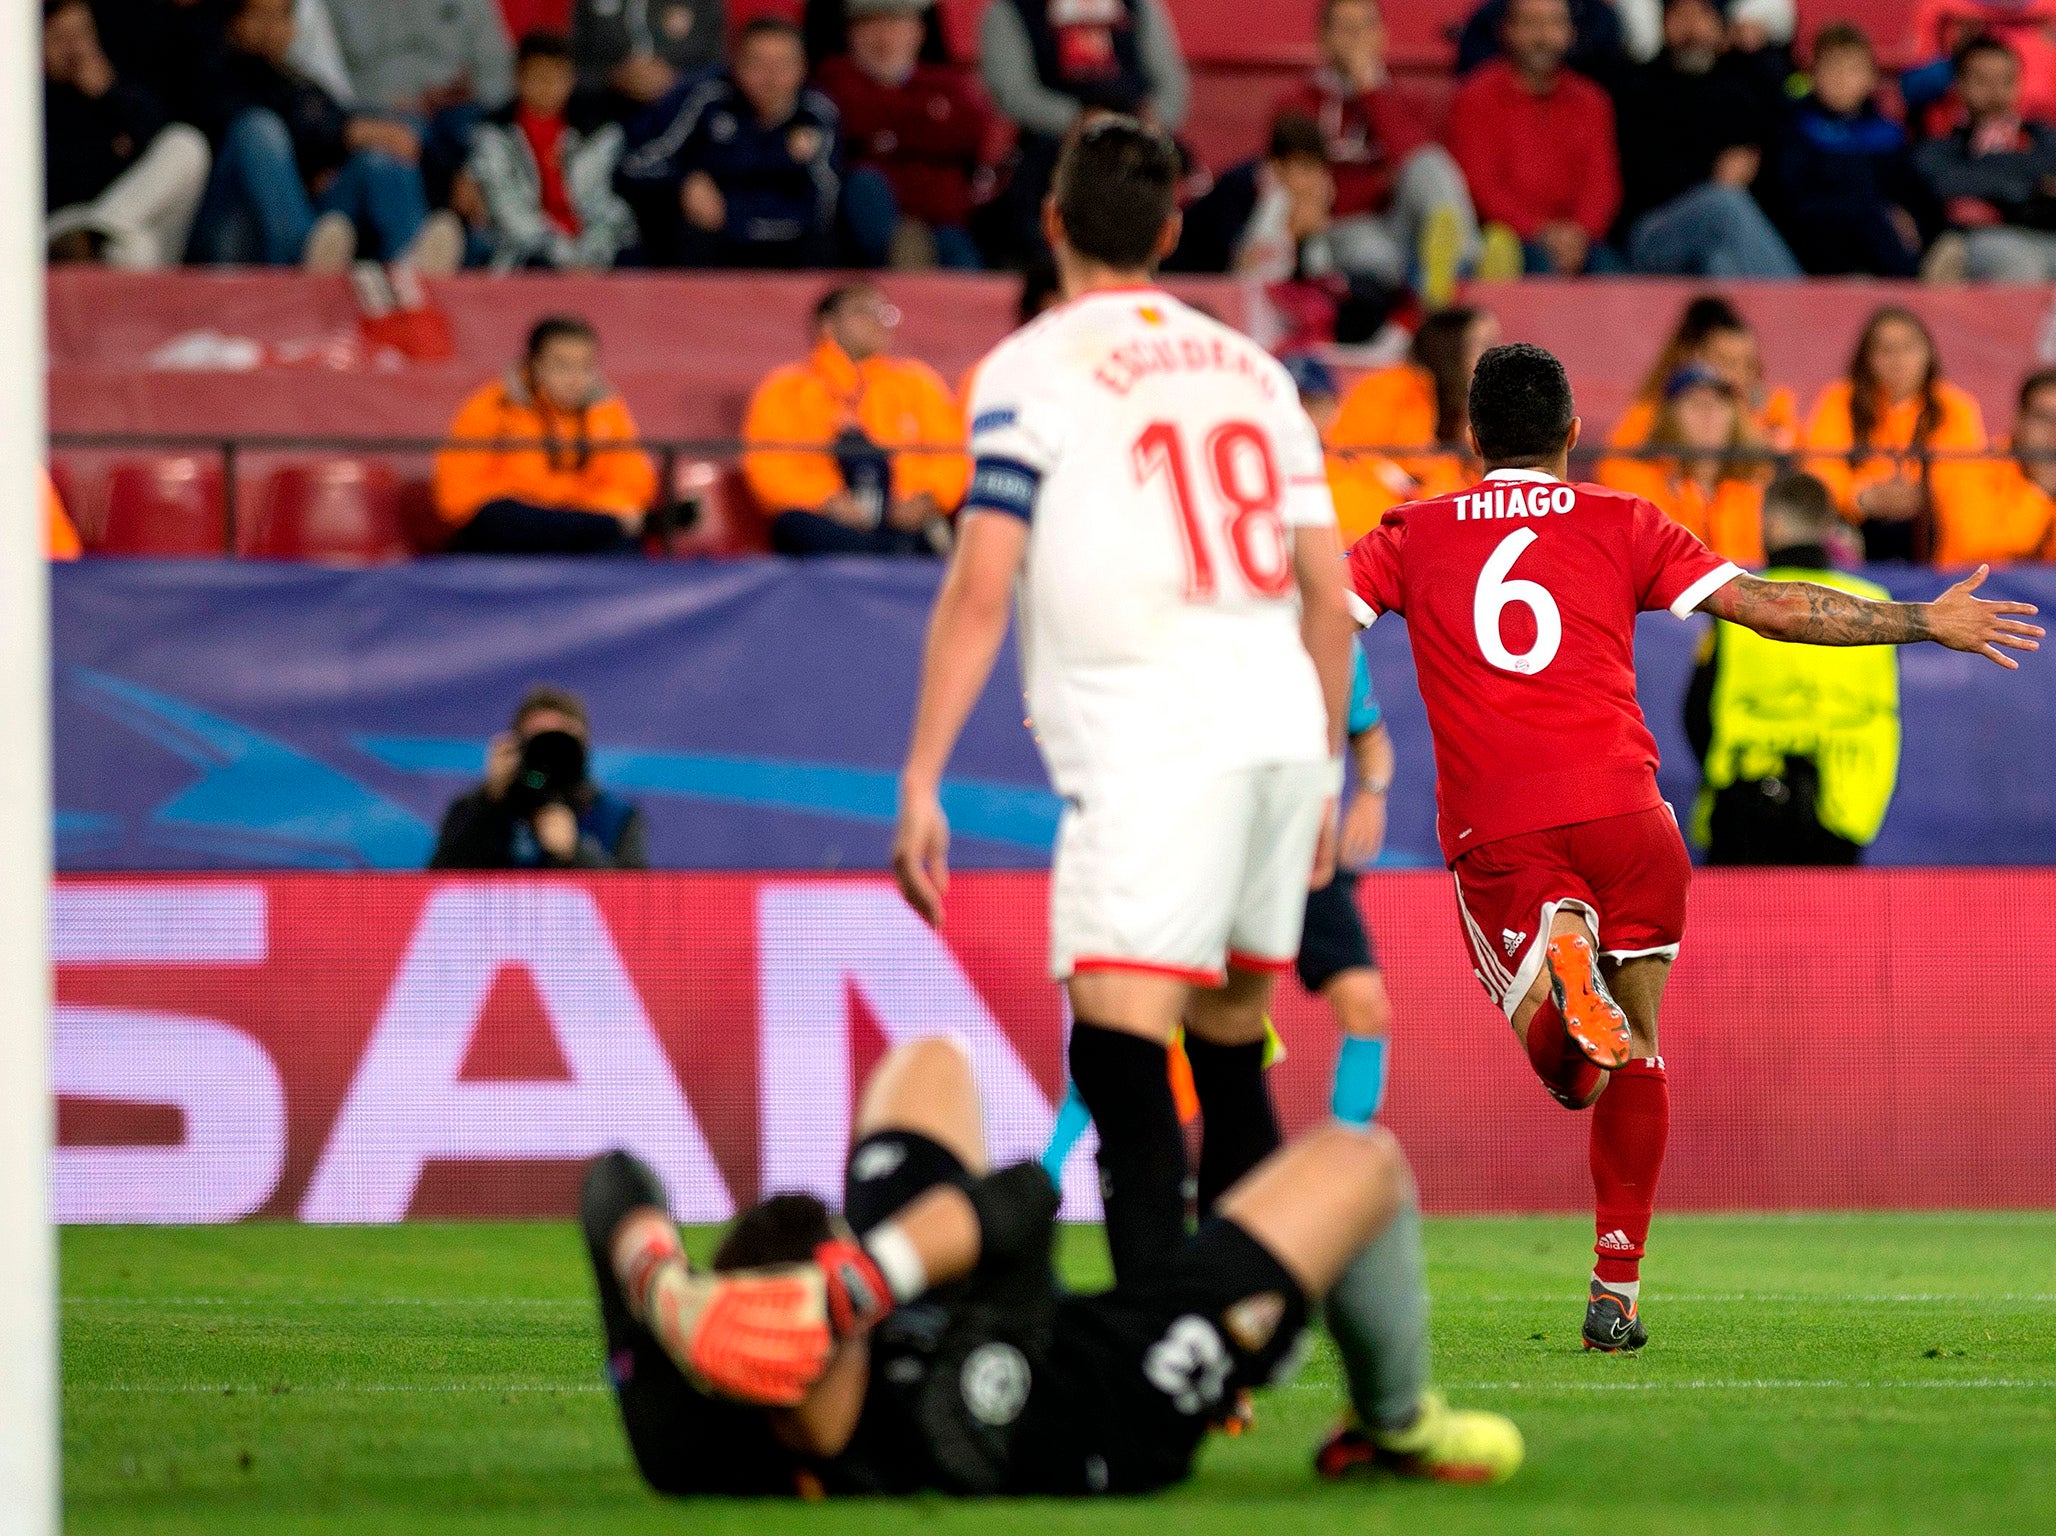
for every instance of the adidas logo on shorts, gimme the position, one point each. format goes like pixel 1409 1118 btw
pixel 1513 941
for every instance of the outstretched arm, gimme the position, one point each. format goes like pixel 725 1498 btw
pixel 964 636
pixel 1810 614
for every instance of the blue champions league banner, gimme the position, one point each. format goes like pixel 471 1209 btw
pixel 219 715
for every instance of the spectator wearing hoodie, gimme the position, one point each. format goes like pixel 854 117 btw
pixel 1845 186
pixel 548 186
pixel 913 141
pixel 740 169
pixel 1995 177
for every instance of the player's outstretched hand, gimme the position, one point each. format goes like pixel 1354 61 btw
pixel 757 1336
pixel 1964 622
pixel 920 853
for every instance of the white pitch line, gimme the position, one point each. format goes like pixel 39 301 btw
pixel 1688 1298
pixel 319 1389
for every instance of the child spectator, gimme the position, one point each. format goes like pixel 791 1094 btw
pixel 121 183
pixel 1709 331
pixel 913 141
pixel 1844 179
pixel 1995 177
pixel 1693 125
pixel 548 187
pixel 631 52
pixel 739 169
pixel 1401 207
pixel 1047 63
pixel 1710 478
pixel 2007 510
pixel 1536 145
pixel 851 491
pixel 565 491
pixel 296 178
pixel 1424 404
pixel 1894 402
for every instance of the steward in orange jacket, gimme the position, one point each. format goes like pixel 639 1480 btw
pixel 827 436
pixel 569 493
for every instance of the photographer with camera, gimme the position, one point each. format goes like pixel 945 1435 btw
pixel 538 807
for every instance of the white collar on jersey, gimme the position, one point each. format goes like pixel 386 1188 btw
pixel 1534 476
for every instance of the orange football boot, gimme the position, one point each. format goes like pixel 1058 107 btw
pixel 1590 1015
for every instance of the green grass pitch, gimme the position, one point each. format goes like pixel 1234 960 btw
pixel 1810 1374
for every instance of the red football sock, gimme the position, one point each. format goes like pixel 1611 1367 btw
pixel 1629 1128
pixel 1564 1069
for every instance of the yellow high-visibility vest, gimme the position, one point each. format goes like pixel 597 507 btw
pixel 1837 705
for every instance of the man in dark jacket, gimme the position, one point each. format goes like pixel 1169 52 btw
pixel 120 182
pixel 1693 128
pixel 538 808
pixel 1995 177
pixel 298 179
pixel 739 170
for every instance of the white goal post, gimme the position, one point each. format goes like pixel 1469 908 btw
pixel 28 1303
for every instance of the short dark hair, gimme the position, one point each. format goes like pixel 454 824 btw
pixel 1839 35
pixel 1981 42
pixel 1295 136
pixel 2034 384
pixel 557 328
pixel 783 1229
pixel 1521 406
pixel 558 700
pixel 834 299
pixel 543 45
pixel 55 7
pixel 1803 499
pixel 767 26
pixel 1116 187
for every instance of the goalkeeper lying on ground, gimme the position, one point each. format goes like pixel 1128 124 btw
pixel 921 1341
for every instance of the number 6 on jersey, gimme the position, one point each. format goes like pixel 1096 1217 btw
pixel 1495 594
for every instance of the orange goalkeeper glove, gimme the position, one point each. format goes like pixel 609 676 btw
pixel 756 1335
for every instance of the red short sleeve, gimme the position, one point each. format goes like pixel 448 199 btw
pixel 1672 568
pixel 1374 572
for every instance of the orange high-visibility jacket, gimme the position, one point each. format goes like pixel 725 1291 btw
pixel 1830 434
pixel 1395 408
pixel 1776 422
pixel 574 473
pixel 896 402
pixel 1729 522
pixel 60 537
pixel 1997 515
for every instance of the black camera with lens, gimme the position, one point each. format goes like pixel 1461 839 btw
pixel 551 772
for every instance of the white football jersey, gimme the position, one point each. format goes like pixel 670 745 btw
pixel 1161 460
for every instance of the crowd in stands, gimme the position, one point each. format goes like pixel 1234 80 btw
pixel 1682 137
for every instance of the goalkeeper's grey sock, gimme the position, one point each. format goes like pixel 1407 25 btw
pixel 1378 1313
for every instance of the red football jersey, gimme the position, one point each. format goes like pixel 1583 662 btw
pixel 1520 596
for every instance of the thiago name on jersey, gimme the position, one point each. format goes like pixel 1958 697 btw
pixel 1513 501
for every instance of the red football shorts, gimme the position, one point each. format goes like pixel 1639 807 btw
pixel 1629 874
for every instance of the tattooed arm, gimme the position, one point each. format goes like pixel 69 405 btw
pixel 1809 614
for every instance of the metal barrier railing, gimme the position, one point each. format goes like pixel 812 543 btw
pixel 671 452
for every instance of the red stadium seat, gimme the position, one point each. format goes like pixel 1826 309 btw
pixel 345 511
pixel 169 505
pixel 728 524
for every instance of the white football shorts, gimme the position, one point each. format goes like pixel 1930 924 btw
pixel 1184 874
